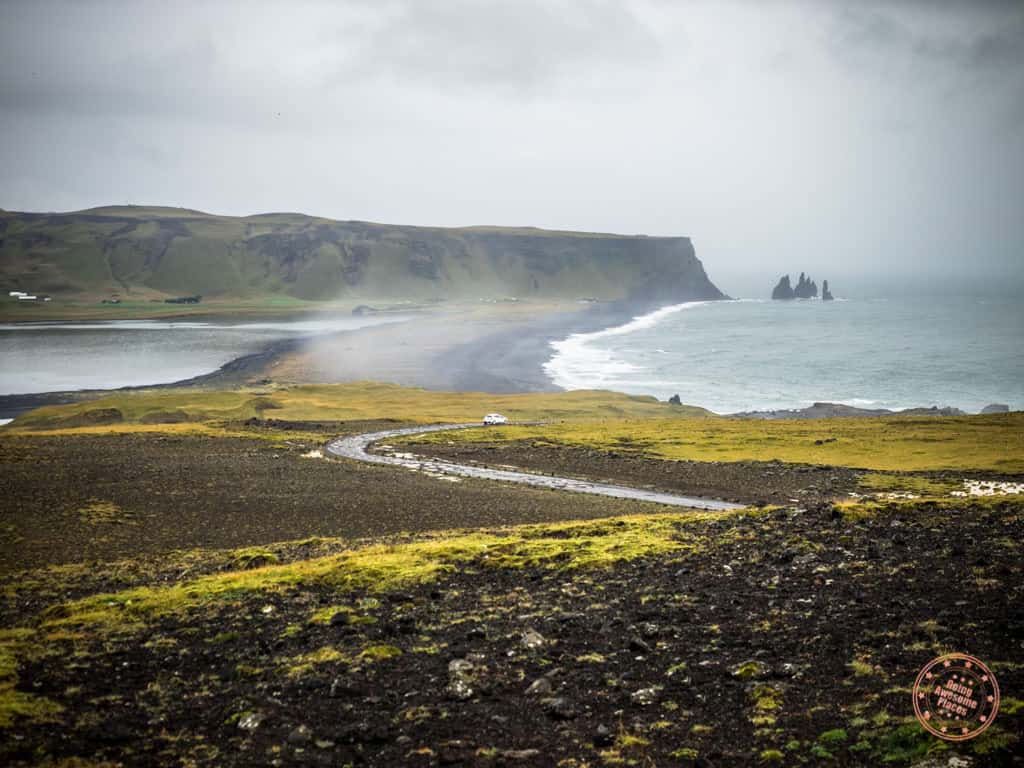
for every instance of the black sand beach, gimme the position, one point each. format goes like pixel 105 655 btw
pixel 465 348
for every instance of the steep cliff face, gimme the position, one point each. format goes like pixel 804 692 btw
pixel 162 251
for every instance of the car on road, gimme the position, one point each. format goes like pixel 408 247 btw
pixel 492 419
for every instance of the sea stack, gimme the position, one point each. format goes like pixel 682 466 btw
pixel 805 288
pixel 783 290
pixel 826 294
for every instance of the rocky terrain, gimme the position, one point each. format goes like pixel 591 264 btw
pixel 789 636
pixel 164 492
pixel 220 594
pixel 842 411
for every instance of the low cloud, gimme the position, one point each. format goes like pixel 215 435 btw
pixel 845 136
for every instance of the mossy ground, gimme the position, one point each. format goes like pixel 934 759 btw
pixel 638 618
pixel 901 444
pixel 207 410
pixel 188 491
pixel 383 568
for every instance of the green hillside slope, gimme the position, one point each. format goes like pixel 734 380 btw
pixel 157 252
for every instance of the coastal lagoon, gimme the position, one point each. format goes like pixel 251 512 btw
pixel 57 357
pixel 751 354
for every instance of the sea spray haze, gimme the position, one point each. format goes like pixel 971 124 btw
pixel 746 355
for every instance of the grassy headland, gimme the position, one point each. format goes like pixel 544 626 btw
pixel 142 256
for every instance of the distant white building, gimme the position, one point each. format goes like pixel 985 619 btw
pixel 17 293
pixel 26 297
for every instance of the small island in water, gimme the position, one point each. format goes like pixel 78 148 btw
pixel 805 289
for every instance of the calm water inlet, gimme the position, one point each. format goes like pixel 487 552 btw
pixel 57 357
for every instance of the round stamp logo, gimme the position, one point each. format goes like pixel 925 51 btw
pixel 956 697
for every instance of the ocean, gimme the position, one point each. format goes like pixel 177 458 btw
pixel 65 356
pixel 758 354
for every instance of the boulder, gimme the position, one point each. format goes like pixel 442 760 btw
pixel 559 708
pixel 300 735
pixel 540 687
pixel 996 408
pixel 644 697
pixel 533 639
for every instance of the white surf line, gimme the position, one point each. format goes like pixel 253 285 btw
pixel 574 364
pixel 355 447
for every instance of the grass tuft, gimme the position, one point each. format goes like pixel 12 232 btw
pixel 383 568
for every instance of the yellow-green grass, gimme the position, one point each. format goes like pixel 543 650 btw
pixel 994 443
pixel 337 402
pixel 586 418
pixel 17 644
pixel 133 309
pixel 374 568
pixel 378 568
pixel 921 486
pixel 383 567
pixel 1011 507
pixel 100 512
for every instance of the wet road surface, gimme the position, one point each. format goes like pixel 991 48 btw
pixel 355 447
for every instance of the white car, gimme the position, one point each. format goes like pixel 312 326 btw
pixel 495 418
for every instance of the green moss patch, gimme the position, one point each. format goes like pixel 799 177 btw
pixel 381 568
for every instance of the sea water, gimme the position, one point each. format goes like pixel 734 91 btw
pixel 743 355
pixel 57 357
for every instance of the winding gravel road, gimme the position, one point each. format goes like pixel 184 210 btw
pixel 355 447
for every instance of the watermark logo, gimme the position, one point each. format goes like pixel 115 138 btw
pixel 956 697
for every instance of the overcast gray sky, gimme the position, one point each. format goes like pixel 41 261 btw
pixel 836 137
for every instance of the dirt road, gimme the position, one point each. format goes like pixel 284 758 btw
pixel 355 447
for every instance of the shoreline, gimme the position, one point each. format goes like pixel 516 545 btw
pixel 559 366
pixel 499 350
pixel 513 360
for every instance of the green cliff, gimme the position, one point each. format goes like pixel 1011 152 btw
pixel 162 252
